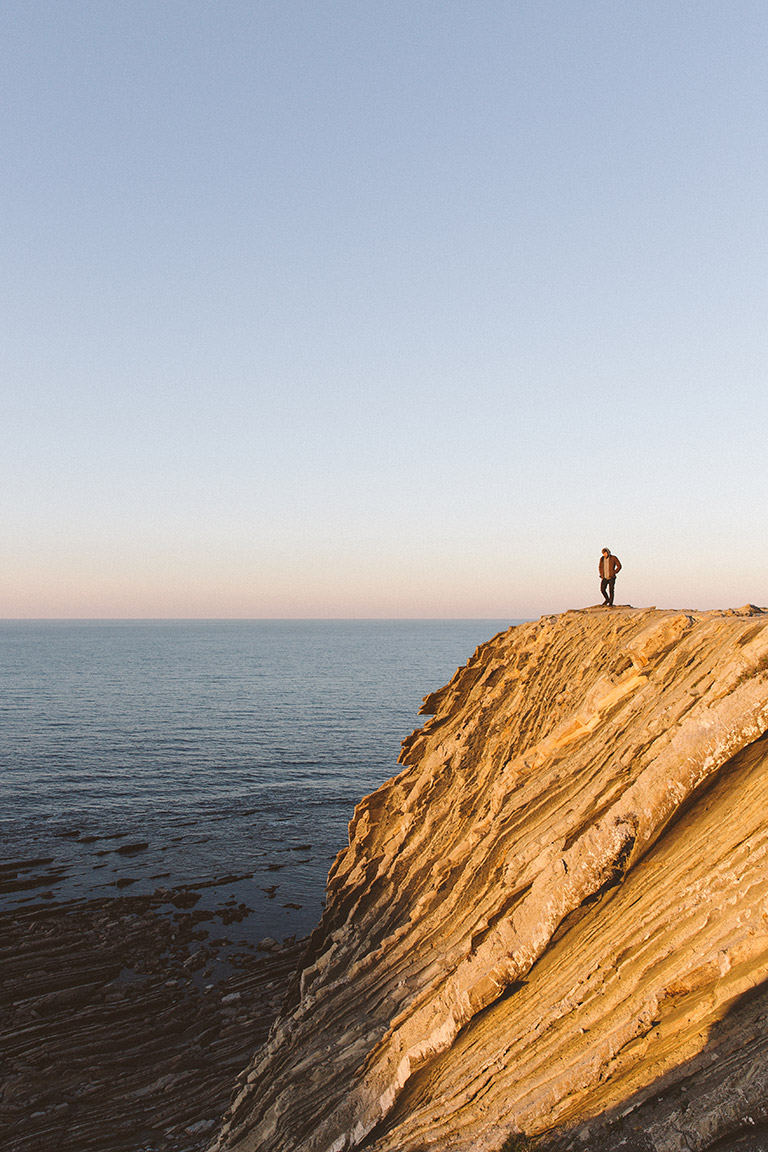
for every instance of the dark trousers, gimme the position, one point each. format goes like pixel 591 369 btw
pixel 606 587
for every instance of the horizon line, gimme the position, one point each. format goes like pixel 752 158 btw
pixel 238 619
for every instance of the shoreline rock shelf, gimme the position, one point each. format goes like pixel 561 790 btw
pixel 124 1026
pixel 554 922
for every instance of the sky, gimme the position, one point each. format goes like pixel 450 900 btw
pixel 343 308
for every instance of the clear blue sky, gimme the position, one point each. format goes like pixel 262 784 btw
pixel 400 308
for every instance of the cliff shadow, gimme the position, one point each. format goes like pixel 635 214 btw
pixel 717 1101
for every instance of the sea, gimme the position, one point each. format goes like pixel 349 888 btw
pixel 222 757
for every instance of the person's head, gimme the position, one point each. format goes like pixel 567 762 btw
pixel 606 551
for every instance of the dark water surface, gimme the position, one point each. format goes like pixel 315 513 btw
pixel 140 755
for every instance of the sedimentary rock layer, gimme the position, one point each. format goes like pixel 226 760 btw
pixel 122 1029
pixel 552 913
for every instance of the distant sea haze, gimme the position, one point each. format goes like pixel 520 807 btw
pixel 143 755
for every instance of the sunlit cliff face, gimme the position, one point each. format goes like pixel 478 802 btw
pixel 549 920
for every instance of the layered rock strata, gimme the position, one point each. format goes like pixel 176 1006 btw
pixel 555 914
pixel 121 1028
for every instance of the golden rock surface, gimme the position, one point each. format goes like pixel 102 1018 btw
pixel 554 922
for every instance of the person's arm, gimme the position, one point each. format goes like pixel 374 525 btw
pixel 617 568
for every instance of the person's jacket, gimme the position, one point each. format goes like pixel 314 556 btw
pixel 608 567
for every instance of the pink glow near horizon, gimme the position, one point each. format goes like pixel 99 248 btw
pixel 359 311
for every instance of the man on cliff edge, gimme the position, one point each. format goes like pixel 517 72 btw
pixel 609 567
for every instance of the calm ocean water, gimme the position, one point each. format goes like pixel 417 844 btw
pixel 137 755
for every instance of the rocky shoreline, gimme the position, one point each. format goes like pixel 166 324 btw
pixel 126 1020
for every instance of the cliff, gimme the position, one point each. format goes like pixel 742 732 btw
pixel 551 929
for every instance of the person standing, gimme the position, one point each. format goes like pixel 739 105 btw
pixel 609 567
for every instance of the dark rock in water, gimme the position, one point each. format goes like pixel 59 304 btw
pixel 217 882
pixel 268 945
pixel 185 899
pixel 234 915
pixel 14 866
pixel 132 849
pixel 26 883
